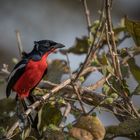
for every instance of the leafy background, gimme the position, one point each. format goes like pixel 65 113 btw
pixel 60 20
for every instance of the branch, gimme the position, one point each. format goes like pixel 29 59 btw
pixel 94 46
pixel 75 87
pixel 110 33
pixel 87 14
pixel 111 43
pixel 128 128
pixel 99 83
pixel 20 48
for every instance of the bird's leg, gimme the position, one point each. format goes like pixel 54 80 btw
pixel 22 118
pixel 32 118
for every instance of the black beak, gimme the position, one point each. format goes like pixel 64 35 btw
pixel 58 45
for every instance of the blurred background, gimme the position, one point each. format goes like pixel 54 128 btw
pixel 58 20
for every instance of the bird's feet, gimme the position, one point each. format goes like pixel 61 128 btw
pixel 21 116
pixel 22 121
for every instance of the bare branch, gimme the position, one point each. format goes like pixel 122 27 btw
pixel 20 48
pixel 87 14
pixel 74 85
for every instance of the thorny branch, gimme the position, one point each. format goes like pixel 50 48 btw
pixel 113 50
pixel 113 47
pixel 93 47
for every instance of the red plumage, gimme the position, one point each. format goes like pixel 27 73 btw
pixel 31 77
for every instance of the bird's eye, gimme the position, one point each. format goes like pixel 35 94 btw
pixel 47 44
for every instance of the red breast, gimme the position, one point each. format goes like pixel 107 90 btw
pixel 31 77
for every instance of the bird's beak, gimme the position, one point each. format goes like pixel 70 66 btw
pixel 58 45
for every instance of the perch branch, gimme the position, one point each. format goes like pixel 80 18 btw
pixel 20 48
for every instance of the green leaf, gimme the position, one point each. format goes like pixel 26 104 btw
pixel 61 101
pixel 49 114
pixel 53 127
pixel 114 96
pixel 94 26
pixel 95 62
pixel 133 27
pixel 69 126
pixel 125 87
pixel 125 71
pixel 109 100
pixel 110 69
pixel 118 30
pixel 56 69
pixel 135 69
pixel 26 132
pixel 104 71
pixel 81 46
pixel 137 90
pixel 81 79
pixel 104 60
pixel 127 127
pixel 106 89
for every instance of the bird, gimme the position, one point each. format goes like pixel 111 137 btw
pixel 29 71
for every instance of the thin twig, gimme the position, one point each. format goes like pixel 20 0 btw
pixel 110 47
pixel 66 113
pixel 117 68
pixel 111 36
pixel 20 48
pixel 87 14
pixel 75 86
pixel 99 83
pixel 92 49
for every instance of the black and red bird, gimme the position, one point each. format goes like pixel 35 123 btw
pixel 30 70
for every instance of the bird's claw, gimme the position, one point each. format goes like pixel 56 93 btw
pixel 22 121
pixel 42 100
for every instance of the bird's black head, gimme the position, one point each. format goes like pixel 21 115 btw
pixel 46 46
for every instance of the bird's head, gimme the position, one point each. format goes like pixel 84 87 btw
pixel 46 46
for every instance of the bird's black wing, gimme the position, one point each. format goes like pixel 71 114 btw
pixel 15 75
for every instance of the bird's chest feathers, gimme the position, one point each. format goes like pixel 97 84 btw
pixel 30 78
pixel 37 67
